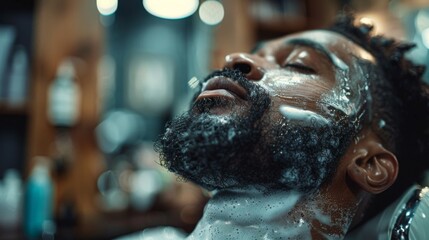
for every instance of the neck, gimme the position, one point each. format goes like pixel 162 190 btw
pixel 252 213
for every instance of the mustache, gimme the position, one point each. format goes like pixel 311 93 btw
pixel 259 98
pixel 233 74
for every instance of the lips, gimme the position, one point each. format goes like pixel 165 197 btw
pixel 223 87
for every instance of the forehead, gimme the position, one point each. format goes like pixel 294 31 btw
pixel 333 42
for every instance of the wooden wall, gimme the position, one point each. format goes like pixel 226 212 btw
pixel 63 29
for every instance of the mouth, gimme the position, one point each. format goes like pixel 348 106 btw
pixel 223 87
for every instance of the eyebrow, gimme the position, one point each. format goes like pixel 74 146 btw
pixel 334 59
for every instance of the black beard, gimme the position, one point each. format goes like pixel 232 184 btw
pixel 309 155
pixel 219 152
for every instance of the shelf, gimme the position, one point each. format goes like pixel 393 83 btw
pixel 13 110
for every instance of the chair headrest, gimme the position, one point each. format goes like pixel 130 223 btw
pixel 407 218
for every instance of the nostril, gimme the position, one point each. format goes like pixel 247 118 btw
pixel 242 67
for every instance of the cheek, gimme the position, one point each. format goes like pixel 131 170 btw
pixel 300 94
pixel 295 88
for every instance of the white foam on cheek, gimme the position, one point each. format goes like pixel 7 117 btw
pixel 350 94
pixel 250 214
pixel 340 96
pixel 339 99
pixel 292 113
pixel 278 80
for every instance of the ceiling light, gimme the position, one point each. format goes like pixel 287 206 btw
pixel 171 9
pixel 211 12
pixel 107 7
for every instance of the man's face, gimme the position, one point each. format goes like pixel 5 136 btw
pixel 281 117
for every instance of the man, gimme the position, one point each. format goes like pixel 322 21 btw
pixel 305 137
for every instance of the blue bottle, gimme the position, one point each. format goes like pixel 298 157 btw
pixel 38 199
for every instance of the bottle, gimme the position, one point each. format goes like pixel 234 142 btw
pixel 38 199
pixel 11 199
pixel 18 79
pixel 64 97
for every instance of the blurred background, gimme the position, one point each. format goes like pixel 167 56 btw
pixel 86 86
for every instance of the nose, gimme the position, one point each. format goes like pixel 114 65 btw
pixel 245 63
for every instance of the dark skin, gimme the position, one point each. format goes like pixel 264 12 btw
pixel 307 71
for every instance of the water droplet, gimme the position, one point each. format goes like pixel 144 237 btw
pixel 193 82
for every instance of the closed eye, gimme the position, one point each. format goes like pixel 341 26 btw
pixel 301 68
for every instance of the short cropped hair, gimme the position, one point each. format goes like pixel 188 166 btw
pixel 400 104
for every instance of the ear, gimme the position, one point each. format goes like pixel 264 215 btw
pixel 372 167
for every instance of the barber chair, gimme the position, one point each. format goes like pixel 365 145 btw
pixel 405 219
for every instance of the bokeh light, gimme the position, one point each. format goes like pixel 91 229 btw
pixel 425 37
pixel 171 9
pixel 422 20
pixel 211 12
pixel 107 7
